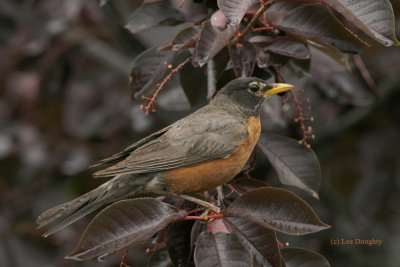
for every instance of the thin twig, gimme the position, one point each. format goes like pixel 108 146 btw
pixel 160 86
pixel 233 189
pixel 123 264
pixel 265 28
pixel 260 11
pixel 301 119
pixel 299 103
pixel 181 3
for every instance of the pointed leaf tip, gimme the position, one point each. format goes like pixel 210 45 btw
pixel 294 164
pixel 122 224
pixel 277 209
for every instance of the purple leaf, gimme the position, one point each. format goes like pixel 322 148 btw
pixel 221 249
pixel 122 224
pixel 373 17
pixel 152 15
pixel 333 53
pixel 295 257
pixel 289 47
pixel 314 22
pixel 178 242
pixel 234 10
pixel 148 69
pixel 186 38
pixel 243 58
pixel 277 209
pixel 294 164
pixel 211 41
pixel 194 84
pixel 259 240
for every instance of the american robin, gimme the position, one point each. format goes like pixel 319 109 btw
pixel 195 154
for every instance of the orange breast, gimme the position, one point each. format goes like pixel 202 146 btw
pixel 206 176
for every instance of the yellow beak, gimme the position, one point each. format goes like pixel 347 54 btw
pixel 278 88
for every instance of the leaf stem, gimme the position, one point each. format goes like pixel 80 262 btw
pixel 260 11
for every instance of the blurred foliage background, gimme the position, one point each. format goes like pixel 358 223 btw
pixel 64 104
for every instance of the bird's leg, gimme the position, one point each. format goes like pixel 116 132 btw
pixel 201 202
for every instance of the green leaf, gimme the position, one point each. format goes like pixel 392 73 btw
pixel 314 22
pixel 122 224
pixel 221 249
pixel 294 164
pixel 277 209
pixel 149 16
pixel 260 240
pixel 373 17
pixel 295 257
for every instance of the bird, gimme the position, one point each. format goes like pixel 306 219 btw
pixel 195 154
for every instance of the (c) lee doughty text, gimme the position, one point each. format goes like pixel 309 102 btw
pixel 356 241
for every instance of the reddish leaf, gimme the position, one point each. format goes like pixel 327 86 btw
pixel 211 41
pixel 122 224
pixel 373 17
pixel 313 22
pixel 260 240
pixel 148 69
pixel 295 257
pixel 289 47
pixel 152 15
pixel 277 209
pixel 234 10
pixel 243 58
pixel 295 164
pixel 221 249
pixel 178 242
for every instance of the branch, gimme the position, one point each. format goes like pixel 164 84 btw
pixel 260 11
pixel 152 100
pixel 301 119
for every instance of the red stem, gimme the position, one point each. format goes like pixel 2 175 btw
pixel 266 28
pixel 152 99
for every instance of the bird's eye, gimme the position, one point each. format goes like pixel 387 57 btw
pixel 253 88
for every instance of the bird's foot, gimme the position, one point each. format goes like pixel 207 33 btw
pixel 201 202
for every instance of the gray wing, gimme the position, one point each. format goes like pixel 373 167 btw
pixel 114 159
pixel 193 140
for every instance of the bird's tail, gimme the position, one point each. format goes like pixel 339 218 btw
pixel 106 193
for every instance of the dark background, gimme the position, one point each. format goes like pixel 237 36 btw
pixel 65 103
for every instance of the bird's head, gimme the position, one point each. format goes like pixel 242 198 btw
pixel 250 93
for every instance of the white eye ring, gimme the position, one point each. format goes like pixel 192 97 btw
pixel 254 88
